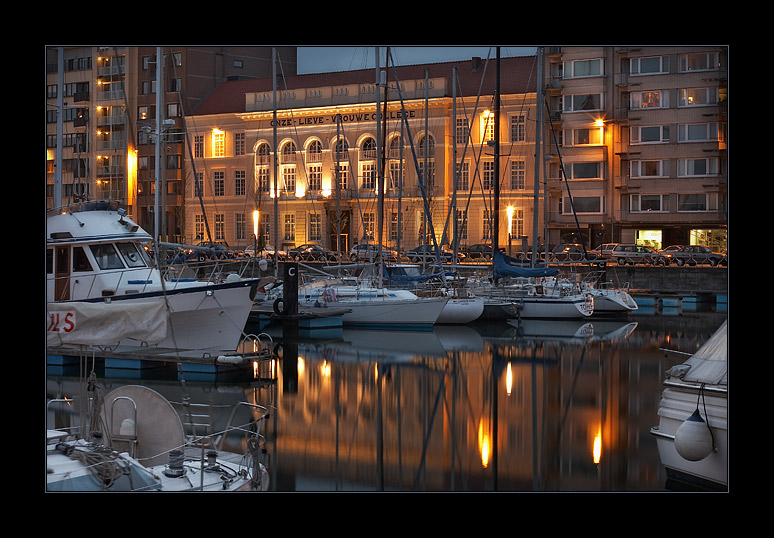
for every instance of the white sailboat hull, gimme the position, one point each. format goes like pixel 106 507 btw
pixel 461 310
pixel 612 301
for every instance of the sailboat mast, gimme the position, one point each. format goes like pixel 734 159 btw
pixel 159 105
pixel 275 166
pixel 538 137
pixel 496 204
pixel 379 175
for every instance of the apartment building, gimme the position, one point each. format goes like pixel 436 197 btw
pixel 108 111
pixel 643 144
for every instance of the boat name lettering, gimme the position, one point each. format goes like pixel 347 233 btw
pixel 61 322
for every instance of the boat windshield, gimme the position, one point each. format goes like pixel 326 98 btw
pixel 106 256
pixel 133 256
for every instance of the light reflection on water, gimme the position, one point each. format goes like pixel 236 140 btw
pixel 492 407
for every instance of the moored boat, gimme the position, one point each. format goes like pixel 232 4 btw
pixel 692 433
pixel 95 256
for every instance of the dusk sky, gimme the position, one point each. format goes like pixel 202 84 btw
pixel 346 58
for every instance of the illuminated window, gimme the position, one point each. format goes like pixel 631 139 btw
pixel 218 143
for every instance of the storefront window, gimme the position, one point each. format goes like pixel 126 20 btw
pixel 649 238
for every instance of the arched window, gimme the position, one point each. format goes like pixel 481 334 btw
pixel 314 152
pixel 262 154
pixel 368 149
pixel 341 149
pixel 288 153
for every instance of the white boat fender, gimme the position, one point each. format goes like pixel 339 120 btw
pixel 230 359
pixel 233 277
pixel 693 439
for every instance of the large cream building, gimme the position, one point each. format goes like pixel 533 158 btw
pixel 641 133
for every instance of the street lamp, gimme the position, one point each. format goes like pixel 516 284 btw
pixel 256 215
pixel 509 212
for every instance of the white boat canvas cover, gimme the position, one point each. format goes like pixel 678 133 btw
pixel 710 363
pixel 106 323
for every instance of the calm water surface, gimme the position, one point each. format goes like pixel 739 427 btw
pixel 545 406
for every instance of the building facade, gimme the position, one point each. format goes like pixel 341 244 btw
pixel 109 101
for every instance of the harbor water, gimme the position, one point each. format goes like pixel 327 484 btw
pixel 536 406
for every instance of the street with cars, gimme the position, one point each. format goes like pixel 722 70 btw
pixel 618 253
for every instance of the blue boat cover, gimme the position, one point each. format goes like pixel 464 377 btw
pixel 503 267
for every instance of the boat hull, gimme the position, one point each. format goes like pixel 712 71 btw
pixel 711 472
pixel 461 310
pixel 612 302
pixel 201 316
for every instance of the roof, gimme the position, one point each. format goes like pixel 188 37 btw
pixel 517 75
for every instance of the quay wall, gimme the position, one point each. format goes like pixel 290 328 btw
pixel 670 279
pixel 681 280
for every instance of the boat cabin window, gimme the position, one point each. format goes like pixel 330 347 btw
pixel 81 262
pixel 49 261
pixel 106 256
pixel 133 256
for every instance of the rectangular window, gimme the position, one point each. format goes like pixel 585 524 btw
pixel 368 176
pixel 262 178
pixel 218 183
pixel 488 177
pixel 462 131
pixel 430 172
pixel 289 178
pixel 591 170
pixel 698 132
pixel 343 176
pixel 369 225
pixel 266 228
pixel 462 224
pixel 652 65
pixel 487 126
pixel 220 227
pixel 199 226
pixel 486 226
pixel 393 226
pixel 396 173
pixel 649 99
pixel 518 173
pixel 315 177
pixel 701 61
pixel 218 143
pixel 199 146
pixel 697 167
pixel 582 204
pixel 584 137
pixel 517 224
pixel 518 129
pixel 315 227
pixel 239 143
pixel 239 182
pixel 687 203
pixel 649 134
pixel 689 97
pixel 583 68
pixel 239 226
pixel 289 227
pixel 463 178
pixel 643 203
pixel 583 102
pixel 654 168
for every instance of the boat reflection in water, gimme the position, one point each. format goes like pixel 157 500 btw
pixel 514 406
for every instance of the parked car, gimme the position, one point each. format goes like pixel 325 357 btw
pixel 570 252
pixel 310 252
pixel 630 253
pixel 369 251
pixel 428 253
pixel 265 252
pixel 481 250
pixel 604 250
pixel 693 254
pixel 216 250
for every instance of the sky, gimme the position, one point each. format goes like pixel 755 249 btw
pixel 335 58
